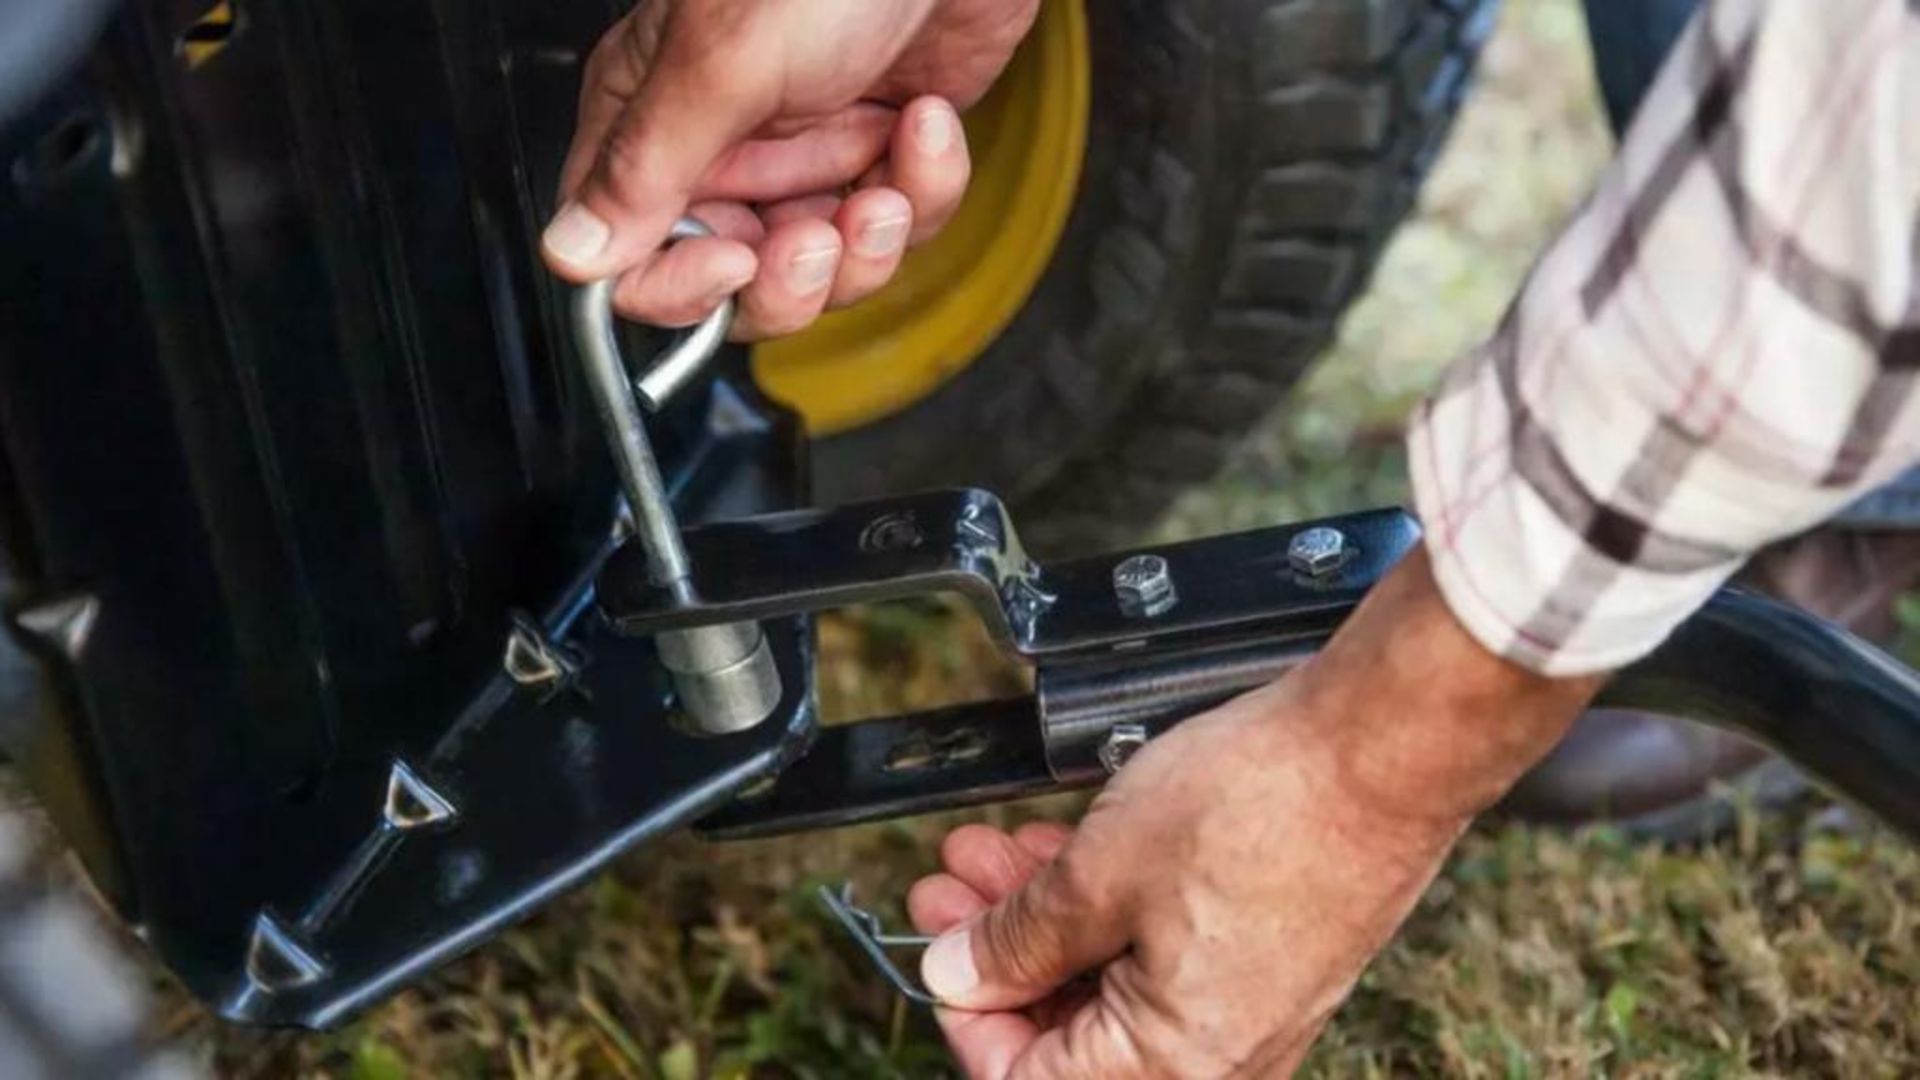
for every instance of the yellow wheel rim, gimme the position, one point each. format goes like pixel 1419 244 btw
pixel 955 295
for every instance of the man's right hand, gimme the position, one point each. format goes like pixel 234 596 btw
pixel 818 138
pixel 1229 885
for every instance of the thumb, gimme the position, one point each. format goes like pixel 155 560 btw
pixel 648 162
pixel 1064 921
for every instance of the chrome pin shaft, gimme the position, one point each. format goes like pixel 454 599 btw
pixel 724 674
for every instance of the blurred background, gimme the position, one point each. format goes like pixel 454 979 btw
pixel 1790 947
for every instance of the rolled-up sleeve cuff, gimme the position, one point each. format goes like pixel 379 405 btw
pixel 1524 584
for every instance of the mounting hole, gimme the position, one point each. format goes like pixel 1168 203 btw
pixel 207 36
pixel 920 753
pixel 61 153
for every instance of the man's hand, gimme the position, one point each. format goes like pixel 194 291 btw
pixel 818 138
pixel 1230 884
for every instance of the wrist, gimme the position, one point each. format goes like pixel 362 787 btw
pixel 1429 724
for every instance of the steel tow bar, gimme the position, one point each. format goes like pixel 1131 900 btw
pixel 1126 644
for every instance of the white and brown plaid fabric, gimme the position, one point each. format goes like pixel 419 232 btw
pixel 1720 350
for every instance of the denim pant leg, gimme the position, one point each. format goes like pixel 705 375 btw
pixel 1630 40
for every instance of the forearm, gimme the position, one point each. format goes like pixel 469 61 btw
pixel 1431 725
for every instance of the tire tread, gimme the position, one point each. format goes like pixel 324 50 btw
pixel 1252 158
pixel 1352 113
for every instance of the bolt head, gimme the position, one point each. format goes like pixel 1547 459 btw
pixel 892 532
pixel 1318 551
pixel 1143 585
pixel 1122 742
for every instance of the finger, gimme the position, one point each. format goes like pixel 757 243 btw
pixel 874 225
pixel 825 155
pixel 987 859
pixel 939 902
pixel 797 267
pixel 1043 838
pixel 691 107
pixel 1067 918
pixel 685 282
pixel 688 280
pixel 986 1044
pixel 1058 1008
pixel 730 220
pixel 878 176
pixel 1092 1044
pixel 815 207
pixel 928 163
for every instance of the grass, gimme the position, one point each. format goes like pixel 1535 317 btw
pixel 1787 949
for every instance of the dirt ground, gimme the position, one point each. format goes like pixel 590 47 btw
pixel 1788 949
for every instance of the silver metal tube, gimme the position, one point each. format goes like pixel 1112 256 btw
pixel 1081 705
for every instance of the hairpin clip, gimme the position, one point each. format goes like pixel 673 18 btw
pixel 864 927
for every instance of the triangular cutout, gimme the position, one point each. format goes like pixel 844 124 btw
pixel 529 660
pixel 411 803
pixel 275 961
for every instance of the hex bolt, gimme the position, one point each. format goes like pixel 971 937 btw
pixel 1122 742
pixel 1318 551
pixel 892 532
pixel 1144 586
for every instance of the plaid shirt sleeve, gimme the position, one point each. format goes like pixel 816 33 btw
pixel 1719 351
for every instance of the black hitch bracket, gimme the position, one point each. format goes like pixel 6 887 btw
pixel 1121 652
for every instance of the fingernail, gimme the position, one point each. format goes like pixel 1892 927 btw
pixel 811 271
pixel 947 966
pixel 884 237
pixel 934 129
pixel 576 234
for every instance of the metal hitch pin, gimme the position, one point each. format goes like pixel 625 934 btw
pixel 724 674
pixel 864 928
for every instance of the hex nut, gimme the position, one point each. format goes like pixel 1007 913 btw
pixel 1144 586
pixel 1318 551
pixel 1122 742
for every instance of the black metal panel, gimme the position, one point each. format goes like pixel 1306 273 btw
pixel 541 789
pixel 292 439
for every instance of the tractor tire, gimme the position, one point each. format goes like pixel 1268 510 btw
pixel 1246 161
